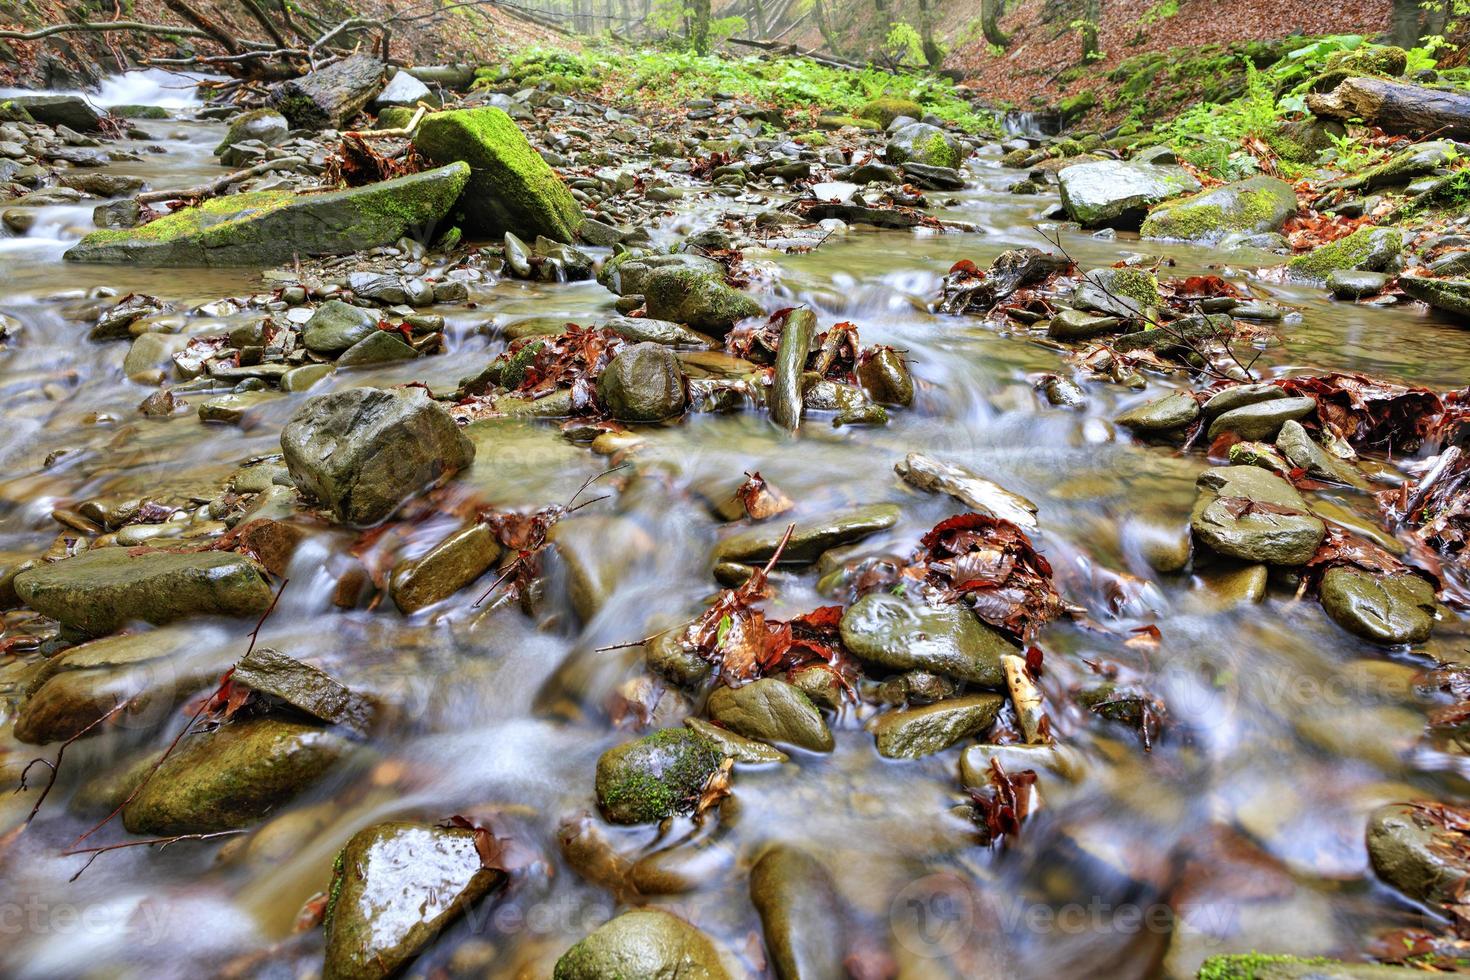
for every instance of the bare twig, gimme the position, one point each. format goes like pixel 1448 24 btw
pixel 54 765
pixel 160 842
pixel 213 187
pixel 122 26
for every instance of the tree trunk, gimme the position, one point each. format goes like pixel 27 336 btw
pixel 1091 18
pixel 819 12
pixel 1403 25
pixel 990 11
pixel 758 17
pixel 328 98
pixel 933 53
pixel 1397 107
pixel 699 26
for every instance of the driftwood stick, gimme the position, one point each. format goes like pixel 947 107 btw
pixel 213 187
pixel 102 26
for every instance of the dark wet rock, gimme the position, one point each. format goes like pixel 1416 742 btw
pixel 643 383
pixel 642 329
pixel 118 214
pixel 1413 853
pixel 336 326
pixel 265 125
pixel 924 144
pixel 1302 451
pixel 445 568
pixel 1263 419
pixel 103 185
pixel 1251 206
pixel 871 172
pixel 260 228
pixel 1238 396
pixel 1170 413
pixel 1284 532
pixel 362 452
pixel 1347 284
pixel 1365 250
pixel 1388 609
pixel 329 97
pixel 668 656
pixel 649 944
pixel 903 634
pixel 1116 194
pixel 813 535
pixel 395 887
pixel 511 187
pixel 1449 295
pixel 71 111
pixel 885 378
pixel 771 711
pixel 911 733
pixel 701 300
pixel 98 591
pixel 928 177
pixel 390 289
pixel 306 688
pixel 785 396
pixel 378 347
pixel 656 776
pixel 743 750
pixel 232 777
pixel 801 916
pixel 1079 325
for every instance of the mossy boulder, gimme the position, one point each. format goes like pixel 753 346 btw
pixel 1449 295
pixel 511 188
pixel 363 451
pixel 883 111
pixel 133 111
pixel 700 300
pixel 395 886
pixel 1125 292
pixel 835 121
pixel 1304 140
pixel 263 228
pixel 656 776
pixel 628 273
pixel 1251 206
pixel 101 590
pixel 922 143
pixel 232 777
pixel 646 944
pixel 1280 966
pixel 1365 250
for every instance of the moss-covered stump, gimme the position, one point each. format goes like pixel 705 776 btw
pixel 511 188
pixel 656 776
pixel 648 943
pixel 1251 206
pixel 394 887
pixel 232 777
pixel 98 591
pixel 262 228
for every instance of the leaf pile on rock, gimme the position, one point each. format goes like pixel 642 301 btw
pixel 1368 413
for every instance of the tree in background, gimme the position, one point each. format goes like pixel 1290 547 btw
pixel 990 11
pixel 699 26
pixel 1088 27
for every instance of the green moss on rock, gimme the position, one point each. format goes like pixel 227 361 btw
pixel 511 188
pixel 1252 206
pixel 883 111
pixel 1365 250
pixel 656 776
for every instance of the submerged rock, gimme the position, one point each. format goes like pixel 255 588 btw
pixel 444 569
pixel 1113 193
pixel 262 228
pixel 649 944
pixel 395 886
pixel 911 733
pixel 643 383
pixel 511 188
pixel 656 776
pixel 901 634
pixel 363 451
pixel 101 590
pixel 1384 608
pixel 71 111
pixel 1248 513
pixel 232 777
pixel 1415 854
pixel 771 711
pixel 801 916
pixel 812 536
pixel 1252 206
pixel 1170 413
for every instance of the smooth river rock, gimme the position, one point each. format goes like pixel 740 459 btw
pixel 1389 609
pixel 903 634
pixel 911 733
pixel 771 711
pixel 1221 521
pixel 646 944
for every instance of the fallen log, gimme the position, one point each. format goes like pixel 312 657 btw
pixel 213 187
pixel 329 97
pixel 1397 107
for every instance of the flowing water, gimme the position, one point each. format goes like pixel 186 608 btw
pixel 1242 829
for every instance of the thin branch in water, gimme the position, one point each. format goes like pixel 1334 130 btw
pixel 161 842
pixel 54 765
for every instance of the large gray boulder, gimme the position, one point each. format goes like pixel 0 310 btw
pixel 1117 194
pixel 263 228
pixel 363 451
pixel 925 145
pixel 643 383
pixel 71 111
pixel 1246 207
pixel 101 590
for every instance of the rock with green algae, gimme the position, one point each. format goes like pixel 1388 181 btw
pixel 232 777
pixel 1168 413
pixel 395 886
pixel 834 121
pixel 700 300
pixel 771 711
pixel 1122 292
pixel 656 776
pixel 884 110
pixel 262 228
pixel 1266 966
pixel 1449 295
pixel 1367 249
pixel 511 188
pixel 1388 609
pixel 643 383
pixel 911 733
pixel 922 143
pixel 103 589
pixel 645 944
pixel 1251 206
pixel 1114 193
pixel 335 326
pixel 899 633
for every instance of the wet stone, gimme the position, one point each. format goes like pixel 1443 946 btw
pixel 811 537
pixel 800 914
pixel 304 687
pixel 911 733
pixel 1388 609
pixel 1170 413
pixel 1263 419
pixel 446 568
pixel 655 777
pixel 743 750
pixel 1414 854
pixel 901 634
pixel 1283 532
pixel 643 383
pixel 647 943
pixel 336 326
pixel 770 710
